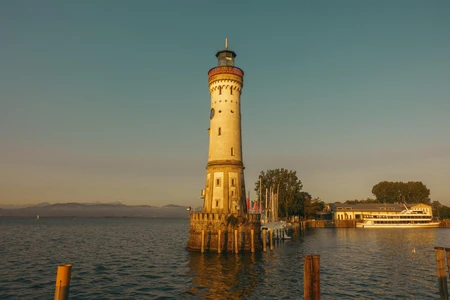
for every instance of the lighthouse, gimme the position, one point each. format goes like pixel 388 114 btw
pixel 225 186
pixel 224 224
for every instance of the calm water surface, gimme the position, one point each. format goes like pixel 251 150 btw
pixel 131 258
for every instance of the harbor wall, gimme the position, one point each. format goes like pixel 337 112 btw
pixel 211 223
pixel 445 223
pixel 331 224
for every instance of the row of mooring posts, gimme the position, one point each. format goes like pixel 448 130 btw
pixel 441 272
pixel 279 235
pixel 235 241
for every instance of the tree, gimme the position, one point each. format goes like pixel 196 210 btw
pixel 368 200
pixel 436 207
pixel 313 206
pixel 444 212
pixel 301 204
pixel 400 192
pixel 285 183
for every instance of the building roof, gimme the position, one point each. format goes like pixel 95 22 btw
pixel 372 206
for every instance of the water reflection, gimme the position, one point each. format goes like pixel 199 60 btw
pixel 223 276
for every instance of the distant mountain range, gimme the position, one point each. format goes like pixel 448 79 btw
pixel 95 210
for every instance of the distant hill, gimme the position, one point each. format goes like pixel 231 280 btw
pixel 96 210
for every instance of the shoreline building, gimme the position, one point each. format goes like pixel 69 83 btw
pixel 224 208
pixel 362 211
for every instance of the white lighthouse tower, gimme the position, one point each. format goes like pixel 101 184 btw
pixel 225 187
pixel 224 224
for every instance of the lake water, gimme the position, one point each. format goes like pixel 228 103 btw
pixel 132 258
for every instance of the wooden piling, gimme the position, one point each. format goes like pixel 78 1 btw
pixel 442 276
pixel 311 277
pixel 203 240
pixel 63 282
pixel 271 239
pixel 307 277
pixel 236 244
pixel 219 248
pixel 447 253
pixel 252 239
pixel 264 240
pixel 316 277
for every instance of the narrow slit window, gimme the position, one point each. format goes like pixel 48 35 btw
pixel 220 131
pixel 232 193
pixel 218 182
pixel 220 90
pixel 233 182
pixel 217 203
pixel 231 91
pixel 232 151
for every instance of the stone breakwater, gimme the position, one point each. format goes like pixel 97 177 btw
pixel 224 232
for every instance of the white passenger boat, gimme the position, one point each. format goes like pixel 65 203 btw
pixel 408 218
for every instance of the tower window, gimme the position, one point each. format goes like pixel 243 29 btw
pixel 218 182
pixel 217 203
pixel 232 193
pixel 231 90
pixel 220 131
pixel 233 182
pixel 232 151
pixel 220 90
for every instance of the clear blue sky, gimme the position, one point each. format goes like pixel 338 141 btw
pixel 108 100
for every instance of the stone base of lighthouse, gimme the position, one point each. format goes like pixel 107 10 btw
pixel 211 223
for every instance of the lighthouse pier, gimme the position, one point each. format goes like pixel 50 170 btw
pixel 214 232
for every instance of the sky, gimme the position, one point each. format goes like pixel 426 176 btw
pixel 105 101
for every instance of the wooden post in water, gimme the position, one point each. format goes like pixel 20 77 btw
pixel 442 276
pixel 219 248
pixel 252 239
pixel 271 239
pixel 316 277
pixel 63 282
pixel 311 277
pixel 447 253
pixel 203 240
pixel 264 240
pixel 307 277
pixel 236 244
